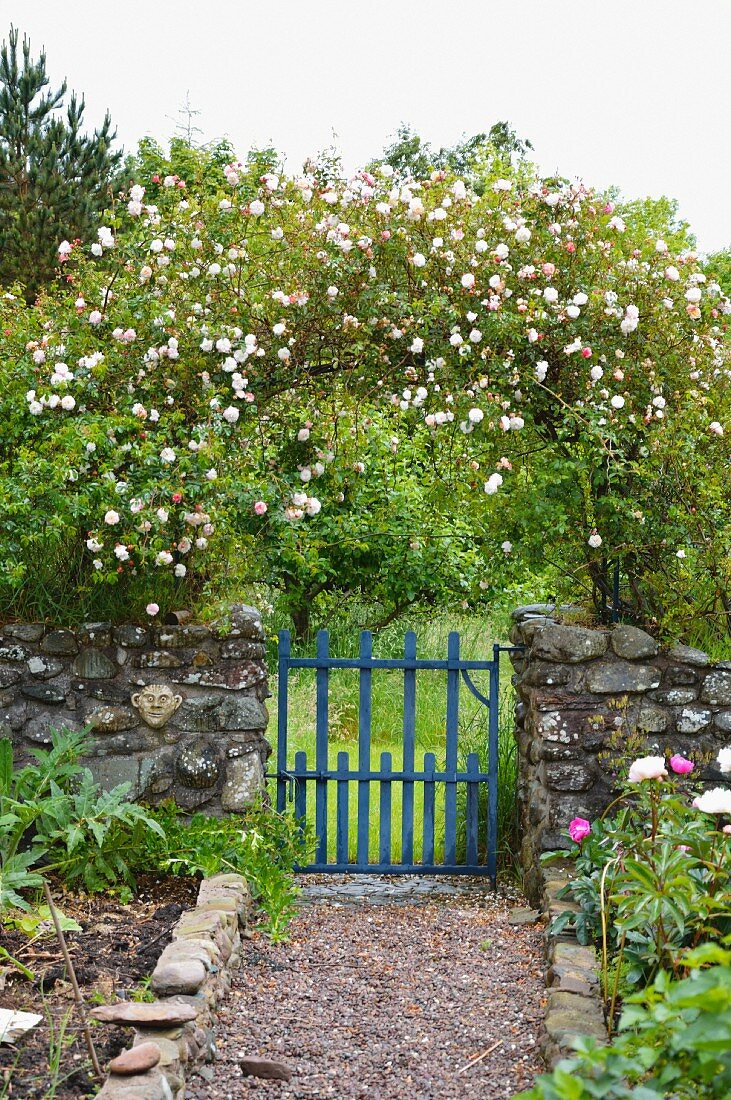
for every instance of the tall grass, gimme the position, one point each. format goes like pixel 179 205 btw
pixel 387 725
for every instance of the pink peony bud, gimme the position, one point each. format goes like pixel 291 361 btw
pixel 579 828
pixel 680 765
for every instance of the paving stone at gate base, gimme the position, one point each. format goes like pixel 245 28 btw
pixel 390 889
pixel 385 1000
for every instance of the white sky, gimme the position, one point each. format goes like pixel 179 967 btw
pixel 632 92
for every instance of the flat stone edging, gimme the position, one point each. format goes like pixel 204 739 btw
pixel 190 978
pixel 574 1004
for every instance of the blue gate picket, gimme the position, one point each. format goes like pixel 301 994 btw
pixel 292 785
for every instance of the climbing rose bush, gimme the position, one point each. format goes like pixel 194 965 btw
pixel 249 377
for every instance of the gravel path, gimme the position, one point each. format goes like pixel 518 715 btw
pixel 386 1001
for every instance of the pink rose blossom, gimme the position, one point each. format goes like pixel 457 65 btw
pixel 680 765
pixel 579 828
pixel 260 507
pixel 152 608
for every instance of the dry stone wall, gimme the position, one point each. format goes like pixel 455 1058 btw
pixel 583 694
pixel 178 711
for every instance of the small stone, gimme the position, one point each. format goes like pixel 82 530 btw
pixel 8 676
pixel 148 1014
pixel 13 653
pixel 158 658
pixel 633 644
pixel 137 1060
pixel 680 676
pixel 687 655
pixel 130 637
pixel 175 637
pixel 42 693
pixel 182 976
pixel 24 632
pixel 676 697
pixel 717 689
pixel 652 720
pixel 246 623
pixel 97 634
pixel 198 765
pixel 694 719
pixel 723 721
pixel 113 719
pixel 93 664
pixel 521 915
pixel 232 676
pixel 44 668
pixel 620 678
pixel 266 1068
pixel 242 713
pixel 242 649
pixel 61 643
pixel 573 644
pixel 244 781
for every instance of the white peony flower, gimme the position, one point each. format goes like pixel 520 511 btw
pixel 716 801
pixel 724 760
pixel 647 767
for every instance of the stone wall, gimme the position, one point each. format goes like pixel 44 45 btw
pixel 176 710
pixel 582 693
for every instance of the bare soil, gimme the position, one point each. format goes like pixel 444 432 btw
pixel 112 956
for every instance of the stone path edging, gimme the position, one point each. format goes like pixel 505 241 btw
pixel 190 978
pixel 574 1005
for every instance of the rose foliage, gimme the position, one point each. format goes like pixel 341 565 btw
pixel 358 385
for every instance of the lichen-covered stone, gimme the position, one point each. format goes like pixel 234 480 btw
pixel 172 637
pixel 242 649
pixel 687 655
pixel 717 688
pixel 693 719
pixel 130 637
pixel 680 676
pixel 572 644
pixel 570 776
pixel 244 781
pixel 158 658
pixel 722 721
pixel 232 676
pixel 620 678
pixel 8 677
pixel 95 634
pixel 652 719
pixel 24 632
pixel 93 664
pixel 45 668
pixel 242 712
pixel 633 644
pixel 198 765
pixel 44 693
pixel 60 643
pixel 13 652
pixel 676 697
pixel 113 719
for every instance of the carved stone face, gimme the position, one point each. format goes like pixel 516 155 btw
pixel 156 703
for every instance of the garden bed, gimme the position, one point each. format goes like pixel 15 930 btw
pixel 113 955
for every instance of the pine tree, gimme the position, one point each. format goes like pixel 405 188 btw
pixel 53 178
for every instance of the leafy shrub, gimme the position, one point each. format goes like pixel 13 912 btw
pixel 262 845
pixel 54 811
pixel 674 1041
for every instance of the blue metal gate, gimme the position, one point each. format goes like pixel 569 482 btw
pixel 296 780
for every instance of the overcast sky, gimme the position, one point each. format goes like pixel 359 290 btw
pixel 632 92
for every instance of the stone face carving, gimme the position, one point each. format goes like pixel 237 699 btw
pixel 156 703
